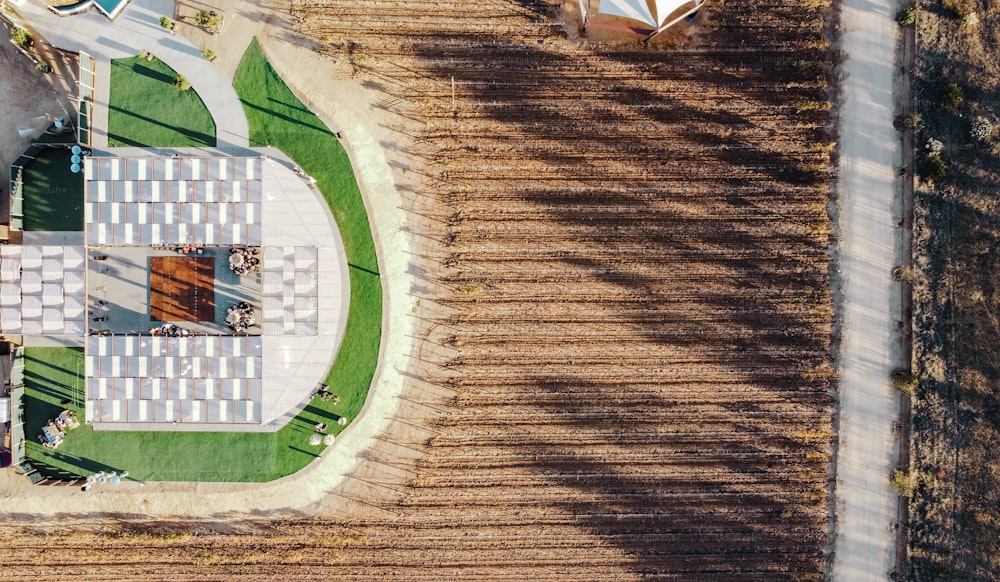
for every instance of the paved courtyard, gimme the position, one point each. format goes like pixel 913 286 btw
pixel 118 290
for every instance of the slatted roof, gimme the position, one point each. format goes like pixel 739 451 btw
pixel 173 201
pixel 194 379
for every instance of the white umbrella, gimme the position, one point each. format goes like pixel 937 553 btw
pixel 315 439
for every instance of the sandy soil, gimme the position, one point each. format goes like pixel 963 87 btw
pixel 26 94
pixel 374 144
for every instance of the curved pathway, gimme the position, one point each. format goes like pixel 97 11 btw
pixel 870 152
pixel 137 28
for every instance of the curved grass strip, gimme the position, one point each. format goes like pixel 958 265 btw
pixel 54 375
pixel 146 110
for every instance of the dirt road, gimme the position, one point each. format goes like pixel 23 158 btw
pixel 869 203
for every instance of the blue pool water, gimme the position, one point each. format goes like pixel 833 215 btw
pixel 111 8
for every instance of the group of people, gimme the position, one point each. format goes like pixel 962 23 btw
pixel 53 433
pixel 243 260
pixel 169 330
pixel 241 317
pixel 323 392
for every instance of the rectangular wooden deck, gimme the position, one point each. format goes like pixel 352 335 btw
pixel 182 288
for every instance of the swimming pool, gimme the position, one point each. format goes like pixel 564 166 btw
pixel 110 8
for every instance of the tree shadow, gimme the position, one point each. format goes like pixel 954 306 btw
pixel 640 273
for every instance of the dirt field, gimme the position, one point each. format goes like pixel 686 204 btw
pixel 182 289
pixel 25 94
pixel 622 365
pixel 955 515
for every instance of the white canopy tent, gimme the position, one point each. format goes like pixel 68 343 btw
pixel 38 287
pixel 653 13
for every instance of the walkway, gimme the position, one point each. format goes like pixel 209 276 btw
pixel 135 29
pixel 866 504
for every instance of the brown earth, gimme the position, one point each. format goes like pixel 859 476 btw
pixel 954 529
pixel 622 361
pixel 25 95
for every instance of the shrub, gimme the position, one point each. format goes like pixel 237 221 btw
pixel 910 121
pixel 958 9
pixel 181 83
pixel 208 19
pixel 982 129
pixel 209 54
pixel 21 37
pixel 933 167
pixel 907 16
pixel 905 382
pixel 43 67
pixel 952 97
pixel 901 273
pixel 166 23
pixel 903 483
pixel 934 146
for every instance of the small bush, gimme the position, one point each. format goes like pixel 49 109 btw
pixel 209 54
pixel 910 121
pixel 903 483
pixel 933 167
pixel 43 67
pixel 982 129
pixel 907 16
pixel 958 9
pixel 905 382
pixel 901 273
pixel 21 37
pixel 208 19
pixel 934 146
pixel 166 23
pixel 181 83
pixel 952 97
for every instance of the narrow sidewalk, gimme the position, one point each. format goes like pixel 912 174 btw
pixel 869 249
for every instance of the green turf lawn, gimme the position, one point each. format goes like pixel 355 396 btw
pixel 276 118
pixel 55 375
pixel 145 109
pixel 53 195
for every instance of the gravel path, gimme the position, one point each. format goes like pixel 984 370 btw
pixel 870 152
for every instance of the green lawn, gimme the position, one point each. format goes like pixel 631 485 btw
pixel 145 109
pixel 279 119
pixel 53 195
pixel 54 382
